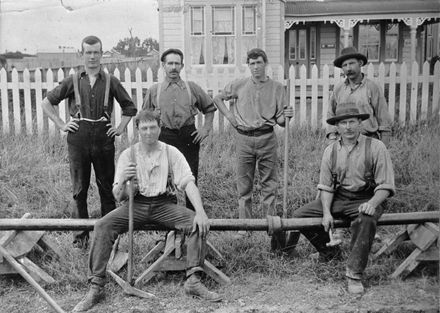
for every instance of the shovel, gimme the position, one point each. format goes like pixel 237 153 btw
pixel 285 241
pixel 127 286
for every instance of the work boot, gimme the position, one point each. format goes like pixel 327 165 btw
pixel 354 286
pixel 93 296
pixel 194 287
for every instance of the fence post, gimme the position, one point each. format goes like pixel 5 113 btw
pixel 16 102
pixel 325 95
pixel 402 98
pixel 27 101
pixel 314 109
pixel 425 89
pixel 414 91
pixel 303 95
pixel 436 90
pixel 392 91
pixel 49 86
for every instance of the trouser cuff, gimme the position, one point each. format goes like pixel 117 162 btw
pixel 99 281
pixel 351 274
pixel 193 270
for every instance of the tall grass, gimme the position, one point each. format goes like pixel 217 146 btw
pixel 34 177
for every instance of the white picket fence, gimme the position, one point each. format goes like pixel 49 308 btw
pixel 411 97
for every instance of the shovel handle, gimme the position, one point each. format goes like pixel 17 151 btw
pixel 130 231
pixel 286 155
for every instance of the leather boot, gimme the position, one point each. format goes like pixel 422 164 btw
pixel 194 287
pixel 355 286
pixel 93 296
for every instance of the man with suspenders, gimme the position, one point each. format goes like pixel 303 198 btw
pixel 179 102
pixel 355 179
pixel 90 134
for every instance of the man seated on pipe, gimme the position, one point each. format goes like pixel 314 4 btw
pixel 356 177
pixel 156 168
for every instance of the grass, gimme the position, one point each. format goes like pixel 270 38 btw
pixel 34 177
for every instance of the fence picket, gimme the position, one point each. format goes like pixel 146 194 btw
pixel 402 96
pixel 414 92
pixel 38 100
pixel 63 104
pixel 49 86
pixel 392 90
pixel 314 109
pixel 5 101
pixel 418 97
pixel 27 101
pixel 425 89
pixel 303 95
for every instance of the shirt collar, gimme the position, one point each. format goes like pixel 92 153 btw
pixel 360 140
pixel 259 82
pixel 101 74
pixel 364 78
pixel 167 82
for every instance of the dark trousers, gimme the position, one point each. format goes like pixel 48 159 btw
pixel 161 210
pixel 183 140
pixel 363 228
pixel 91 145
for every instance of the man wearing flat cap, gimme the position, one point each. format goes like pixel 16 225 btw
pixel 179 102
pixel 365 93
pixel 356 177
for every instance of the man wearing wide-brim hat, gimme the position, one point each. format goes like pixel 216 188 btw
pixel 365 93
pixel 356 177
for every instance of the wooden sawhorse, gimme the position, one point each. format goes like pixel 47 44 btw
pixel 426 239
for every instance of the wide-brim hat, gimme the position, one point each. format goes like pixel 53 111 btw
pixel 347 110
pixel 349 53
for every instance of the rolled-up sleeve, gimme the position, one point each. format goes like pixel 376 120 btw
pixel 383 173
pixel 181 170
pixel 204 102
pixel 148 99
pixel 325 174
pixel 62 91
pixel 122 163
pixel 128 108
pixel 331 113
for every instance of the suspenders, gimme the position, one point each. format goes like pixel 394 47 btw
pixel 159 90
pixel 78 96
pixel 368 173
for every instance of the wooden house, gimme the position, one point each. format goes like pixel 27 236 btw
pixel 217 33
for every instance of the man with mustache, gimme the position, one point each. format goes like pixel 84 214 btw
pixel 261 104
pixel 362 91
pixel 355 179
pixel 179 102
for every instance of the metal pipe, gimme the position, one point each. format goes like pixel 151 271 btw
pixel 218 224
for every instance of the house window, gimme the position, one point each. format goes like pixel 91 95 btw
pixel 369 41
pixel 429 42
pixel 249 30
pixel 223 35
pixel 302 41
pixel 391 42
pixel 198 35
pixel 312 43
pixel 292 44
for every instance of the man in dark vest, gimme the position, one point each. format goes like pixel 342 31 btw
pixel 90 133
pixel 355 179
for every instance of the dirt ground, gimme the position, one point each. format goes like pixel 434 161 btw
pixel 254 294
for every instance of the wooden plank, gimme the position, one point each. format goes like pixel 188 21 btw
pixel 408 265
pixel 23 242
pixel 153 252
pixel 171 264
pixel 118 261
pixel 314 109
pixel 431 254
pixel 422 237
pixel 325 95
pixel 150 271
pixel 7 236
pixel 38 274
pixel 391 245
pixel 6 268
pixel 50 86
pixel 436 90
pixel 50 247
pixel 215 273
pixel 303 99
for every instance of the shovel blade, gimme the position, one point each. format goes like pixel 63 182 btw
pixel 129 289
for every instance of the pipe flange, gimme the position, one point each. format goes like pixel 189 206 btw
pixel 273 224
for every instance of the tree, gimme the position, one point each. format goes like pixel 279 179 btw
pixel 132 47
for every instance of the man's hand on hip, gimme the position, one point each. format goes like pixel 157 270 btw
pixel 70 126
pixel 112 131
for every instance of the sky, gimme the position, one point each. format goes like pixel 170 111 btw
pixel 32 26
